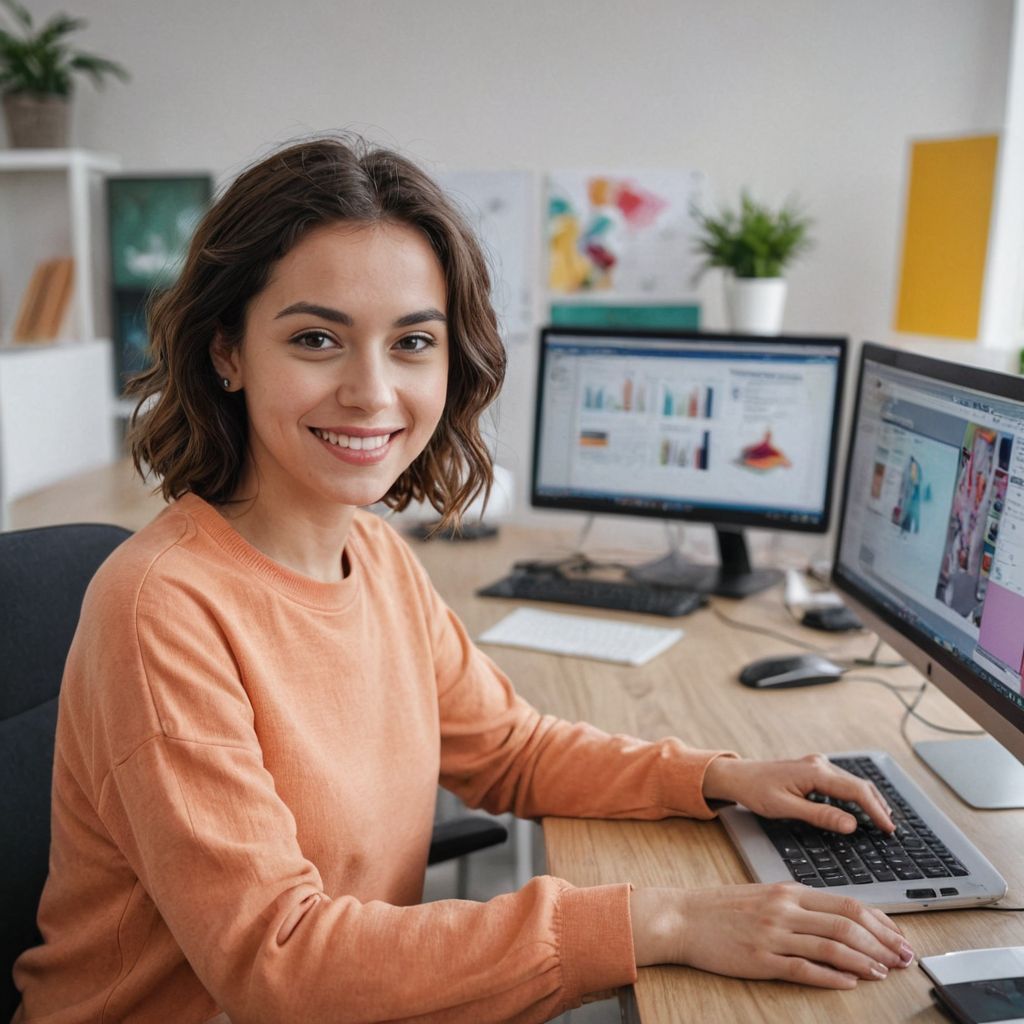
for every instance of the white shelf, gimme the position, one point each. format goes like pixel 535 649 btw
pixel 81 168
pixel 58 160
pixel 56 398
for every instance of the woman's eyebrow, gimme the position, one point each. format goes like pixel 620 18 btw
pixel 336 316
pixel 421 316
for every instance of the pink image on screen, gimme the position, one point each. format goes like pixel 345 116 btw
pixel 1001 634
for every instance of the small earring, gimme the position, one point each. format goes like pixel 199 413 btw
pixel 226 383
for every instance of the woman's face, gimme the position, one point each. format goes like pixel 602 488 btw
pixel 343 365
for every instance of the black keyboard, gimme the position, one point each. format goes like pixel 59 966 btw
pixel 820 858
pixel 615 594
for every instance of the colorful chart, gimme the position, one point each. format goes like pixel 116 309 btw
pixel 763 456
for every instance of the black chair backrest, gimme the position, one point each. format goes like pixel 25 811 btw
pixel 43 576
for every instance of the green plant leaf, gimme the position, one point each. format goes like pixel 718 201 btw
pixel 20 12
pixel 97 67
pixel 41 63
pixel 59 25
pixel 755 241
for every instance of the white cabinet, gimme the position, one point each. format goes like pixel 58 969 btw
pixel 56 415
pixel 57 410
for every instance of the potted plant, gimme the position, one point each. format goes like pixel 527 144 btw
pixel 37 69
pixel 753 245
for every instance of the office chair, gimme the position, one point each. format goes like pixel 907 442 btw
pixel 43 576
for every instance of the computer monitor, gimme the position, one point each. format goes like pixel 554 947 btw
pixel 725 429
pixel 930 547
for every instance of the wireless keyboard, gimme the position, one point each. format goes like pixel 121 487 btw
pixel 613 594
pixel 582 636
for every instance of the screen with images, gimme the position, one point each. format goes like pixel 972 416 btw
pixel 933 517
pixel 698 426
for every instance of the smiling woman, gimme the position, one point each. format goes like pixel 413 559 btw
pixel 265 689
pixel 340 401
pixel 272 219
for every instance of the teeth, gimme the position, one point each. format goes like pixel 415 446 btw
pixel 355 443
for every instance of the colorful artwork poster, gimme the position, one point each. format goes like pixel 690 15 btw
pixel 501 207
pixel 624 235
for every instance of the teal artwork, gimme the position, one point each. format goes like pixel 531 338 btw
pixel 652 317
pixel 151 225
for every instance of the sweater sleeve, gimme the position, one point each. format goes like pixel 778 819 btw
pixel 195 813
pixel 501 754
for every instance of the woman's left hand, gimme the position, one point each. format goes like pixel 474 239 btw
pixel 780 789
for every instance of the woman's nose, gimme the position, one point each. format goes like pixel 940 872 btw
pixel 366 384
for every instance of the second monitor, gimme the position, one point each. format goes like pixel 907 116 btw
pixel 725 429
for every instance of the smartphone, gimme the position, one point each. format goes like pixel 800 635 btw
pixel 979 986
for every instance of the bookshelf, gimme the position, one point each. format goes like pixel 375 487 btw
pixel 57 408
pixel 27 183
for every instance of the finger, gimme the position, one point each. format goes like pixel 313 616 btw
pixel 837 783
pixel 804 972
pixel 845 928
pixel 889 932
pixel 834 954
pixel 871 919
pixel 826 816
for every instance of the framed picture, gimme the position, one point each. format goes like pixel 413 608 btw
pixel 150 220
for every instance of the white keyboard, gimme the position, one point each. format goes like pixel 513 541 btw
pixel 581 636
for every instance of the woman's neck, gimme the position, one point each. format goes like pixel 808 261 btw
pixel 308 540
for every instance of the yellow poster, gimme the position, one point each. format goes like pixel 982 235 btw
pixel 946 236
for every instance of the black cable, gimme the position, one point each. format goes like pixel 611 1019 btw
pixel 868 662
pixel 910 707
pixel 764 631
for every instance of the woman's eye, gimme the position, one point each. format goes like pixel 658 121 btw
pixel 314 341
pixel 416 343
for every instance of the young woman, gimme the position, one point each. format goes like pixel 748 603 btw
pixel 265 690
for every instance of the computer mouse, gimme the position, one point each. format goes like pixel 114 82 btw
pixel 790 670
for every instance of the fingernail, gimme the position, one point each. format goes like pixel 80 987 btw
pixel 906 955
pixel 879 971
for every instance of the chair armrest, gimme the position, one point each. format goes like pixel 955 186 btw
pixel 459 836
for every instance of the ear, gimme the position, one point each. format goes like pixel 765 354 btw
pixel 226 361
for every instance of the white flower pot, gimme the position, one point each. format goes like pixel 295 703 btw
pixel 755 304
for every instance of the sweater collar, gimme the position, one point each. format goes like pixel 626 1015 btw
pixel 305 589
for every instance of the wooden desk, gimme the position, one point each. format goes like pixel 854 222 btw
pixel 691 692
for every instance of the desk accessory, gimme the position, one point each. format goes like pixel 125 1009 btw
pixel 790 670
pixel 753 244
pixel 979 985
pixel 927 864
pixel 833 620
pixel 581 636
pixel 616 595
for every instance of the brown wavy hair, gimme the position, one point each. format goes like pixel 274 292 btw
pixel 193 435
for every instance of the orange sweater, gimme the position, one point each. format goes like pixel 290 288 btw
pixel 243 797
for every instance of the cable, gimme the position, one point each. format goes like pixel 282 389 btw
pixel 846 663
pixel 764 631
pixel 910 707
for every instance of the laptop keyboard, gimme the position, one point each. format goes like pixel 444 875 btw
pixel 819 858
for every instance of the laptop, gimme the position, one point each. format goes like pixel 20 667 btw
pixel 929 864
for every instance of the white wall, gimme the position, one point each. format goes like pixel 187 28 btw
pixel 816 98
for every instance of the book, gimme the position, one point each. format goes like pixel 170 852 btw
pixel 46 301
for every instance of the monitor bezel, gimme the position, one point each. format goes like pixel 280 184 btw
pixel 953 677
pixel 716 516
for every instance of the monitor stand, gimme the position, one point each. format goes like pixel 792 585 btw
pixel 733 577
pixel 982 772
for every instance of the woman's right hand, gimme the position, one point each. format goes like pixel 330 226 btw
pixel 786 931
